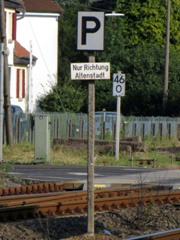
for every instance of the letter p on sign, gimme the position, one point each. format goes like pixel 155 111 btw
pixel 90 34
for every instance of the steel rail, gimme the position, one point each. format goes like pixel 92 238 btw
pixel 33 189
pixel 98 193
pixel 76 207
pixel 65 196
pixel 59 187
pixel 166 235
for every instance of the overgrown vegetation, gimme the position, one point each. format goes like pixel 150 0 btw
pixel 134 45
pixel 65 155
pixel 63 99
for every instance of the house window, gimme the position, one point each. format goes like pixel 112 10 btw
pixel 12 26
pixel 20 83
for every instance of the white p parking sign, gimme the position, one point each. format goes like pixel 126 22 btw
pixel 119 85
pixel 90 34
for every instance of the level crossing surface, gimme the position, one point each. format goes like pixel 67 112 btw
pixel 105 176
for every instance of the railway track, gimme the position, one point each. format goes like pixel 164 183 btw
pixel 32 189
pixel 56 204
pixel 167 235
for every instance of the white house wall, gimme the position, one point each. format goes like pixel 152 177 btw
pixel 42 30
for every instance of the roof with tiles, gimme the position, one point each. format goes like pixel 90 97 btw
pixel 22 54
pixel 47 6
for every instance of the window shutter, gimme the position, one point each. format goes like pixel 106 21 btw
pixel 17 82
pixel 23 83
pixel 14 26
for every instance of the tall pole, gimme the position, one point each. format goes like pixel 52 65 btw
pixel 1 97
pixel 91 139
pixel 166 74
pixel 2 36
pixel 6 87
pixel 30 82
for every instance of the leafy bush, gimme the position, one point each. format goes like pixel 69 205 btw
pixel 62 98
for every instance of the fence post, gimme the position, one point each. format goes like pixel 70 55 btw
pixel 160 130
pixel 82 129
pixel 123 130
pixel 17 130
pixel 4 132
pixel 143 130
pixel 113 131
pixel 134 130
pixel 68 129
pixel 178 131
pixel 56 128
pixel 169 130
pixel 153 129
pixel 103 131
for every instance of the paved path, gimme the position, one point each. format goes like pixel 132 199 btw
pixel 103 175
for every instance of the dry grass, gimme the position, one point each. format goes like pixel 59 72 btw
pixel 19 153
pixel 69 155
pixel 24 153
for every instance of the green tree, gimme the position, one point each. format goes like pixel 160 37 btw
pixel 145 21
pixel 63 98
pixel 134 45
pixel 68 42
pixel 144 69
pixel 175 23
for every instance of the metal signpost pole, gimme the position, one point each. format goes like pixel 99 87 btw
pixel 90 71
pixel 1 96
pixel 117 128
pixel 90 37
pixel 90 166
pixel 118 91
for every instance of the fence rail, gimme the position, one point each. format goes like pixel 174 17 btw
pixel 71 125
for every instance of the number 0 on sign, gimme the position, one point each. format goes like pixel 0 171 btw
pixel 118 84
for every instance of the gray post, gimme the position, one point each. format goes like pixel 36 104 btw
pixel 90 165
pixel 1 97
pixel 6 84
pixel 30 104
pixel 117 128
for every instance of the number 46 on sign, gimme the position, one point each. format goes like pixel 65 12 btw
pixel 118 84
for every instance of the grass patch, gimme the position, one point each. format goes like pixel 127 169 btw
pixel 162 159
pixel 19 153
pixel 163 142
pixel 65 155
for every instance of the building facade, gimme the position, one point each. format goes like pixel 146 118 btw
pixel 37 32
